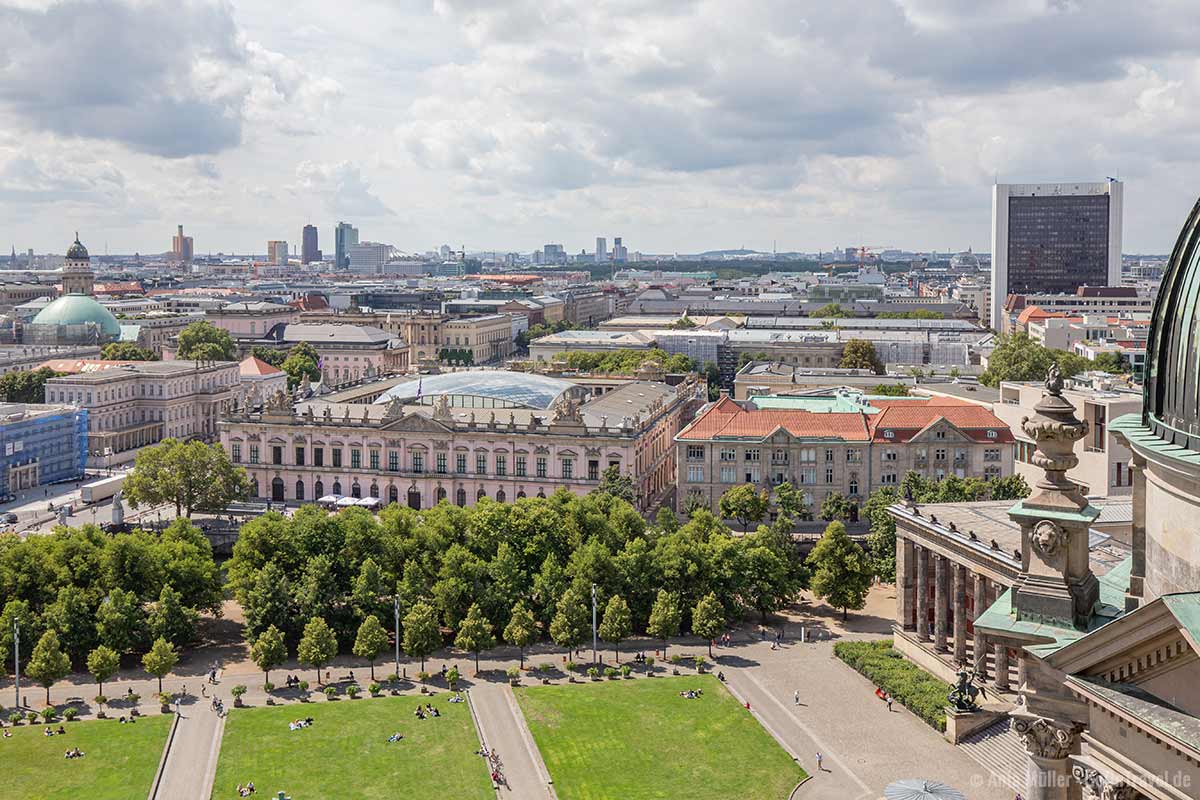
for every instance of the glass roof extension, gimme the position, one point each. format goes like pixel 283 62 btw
pixel 501 388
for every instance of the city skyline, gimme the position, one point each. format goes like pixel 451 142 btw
pixel 506 128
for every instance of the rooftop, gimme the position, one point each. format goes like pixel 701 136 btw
pixel 158 369
pixel 515 389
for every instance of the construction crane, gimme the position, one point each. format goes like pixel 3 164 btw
pixel 862 252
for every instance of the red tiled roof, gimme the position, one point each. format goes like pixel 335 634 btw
pixel 253 365
pixel 1035 313
pixel 728 419
pixel 905 422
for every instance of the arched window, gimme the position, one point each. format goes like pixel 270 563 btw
pixel 480 495
pixel 319 489
pixel 500 496
pixel 374 490
pixel 414 499
pixel 460 498
pixel 441 494
pixel 337 487
pixel 299 490
pixel 521 495
pixel 254 487
pixel 542 493
pixel 356 490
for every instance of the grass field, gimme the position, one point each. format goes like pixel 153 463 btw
pixel 640 739
pixel 346 755
pixel 119 761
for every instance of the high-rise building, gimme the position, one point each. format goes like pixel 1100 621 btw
pixel 619 252
pixel 181 247
pixel 1052 238
pixel 345 236
pixel 554 254
pixel 368 257
pixel 601 249
pixel 308 246
pixel 277 252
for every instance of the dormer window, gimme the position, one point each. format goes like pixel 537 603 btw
pixel 889 434
pixel 991 434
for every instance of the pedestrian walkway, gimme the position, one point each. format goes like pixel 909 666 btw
pixel 191 763
pixel 503 728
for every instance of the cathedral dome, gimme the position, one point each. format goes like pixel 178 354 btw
pixel 1171 407
pixel 77 252
pixel 77 309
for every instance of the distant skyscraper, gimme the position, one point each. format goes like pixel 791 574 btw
pixel 181 247
pixel 308 246
pixel 277 251
pixel 345 236
pixel 601 249
pixel 1053 238
pixel 619 251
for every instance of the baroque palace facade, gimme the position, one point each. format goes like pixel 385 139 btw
pixel 464 436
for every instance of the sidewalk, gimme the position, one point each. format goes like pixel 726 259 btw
pixel 191 763
pixel 505 731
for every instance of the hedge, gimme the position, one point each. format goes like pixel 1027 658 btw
pixel 911 686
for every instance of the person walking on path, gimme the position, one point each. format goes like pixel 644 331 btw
pixel 819 760
pixel 796 697
pixel 889 702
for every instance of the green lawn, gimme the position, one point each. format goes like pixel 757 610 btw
pixel 346 755
pixel 119 761
pixel 639 739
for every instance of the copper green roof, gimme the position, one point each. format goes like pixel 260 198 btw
pixel 79 309
pixel 1142 437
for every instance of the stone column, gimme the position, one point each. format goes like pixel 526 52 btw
pixel 1137 569
pixel 941 603
pixel 1048 743
pixel 980 646
pixel 960 613
pixel 904 584
pixel 1022 669
pixel 1001 681
pixel 922 592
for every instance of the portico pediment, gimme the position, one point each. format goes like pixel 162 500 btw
pixel 416 423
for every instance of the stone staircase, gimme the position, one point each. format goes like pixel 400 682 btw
pixel 999 750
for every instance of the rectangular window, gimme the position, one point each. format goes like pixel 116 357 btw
pixel 318 456
pixel 829 456
pixel 889 455
pixel 441 463
pixel 888 478
pixel 520 466
pixel 991 454
pixel 695 452
pixel 696 474
pixel 540 466
pixel 337 456
pixel 235 453
pixel 355 458
pixel 829 474
pixel 393 461
pixel 939 454
pixel 728 454
pixel 276 454
pixel 501 465
pixel 481 464
pixel 300 456
pixel 253 454
pixel 373 459
pixel 752 454
pixel 728 475
pixel 593 470
pixel 853 456
pixel 568 468
pixel 418 462
pixel 460 463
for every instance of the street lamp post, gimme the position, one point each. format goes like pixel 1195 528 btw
pixel 594 640
pixel 17 660
pixel 396 611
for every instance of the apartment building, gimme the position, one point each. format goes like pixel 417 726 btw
pixel 842 442
pixel 140 403
pixel 1103 468
pixel 487 338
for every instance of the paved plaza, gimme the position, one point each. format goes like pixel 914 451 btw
pixel 864 747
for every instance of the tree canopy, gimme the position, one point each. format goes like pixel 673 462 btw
pixel 126 351
pixel 193 476
pixel 1017 357
pixel 842 572
pixel 300 361
pixel 745 504
pixel 625 362
pixel 204 341
pixel 26 387
pixel 860 354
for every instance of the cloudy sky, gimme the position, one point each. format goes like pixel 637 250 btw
pixel 504 124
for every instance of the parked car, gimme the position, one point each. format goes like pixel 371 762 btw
pixel 9 517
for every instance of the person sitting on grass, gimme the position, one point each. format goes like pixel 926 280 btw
pixel 458 698
pixel 48 731
pixel 61 730
pixel 395 737
pixel 420 714
pixel 7 733
pixel 435 712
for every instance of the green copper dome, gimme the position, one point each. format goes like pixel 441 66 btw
pixel 78 309
pixel 77 252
